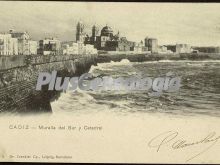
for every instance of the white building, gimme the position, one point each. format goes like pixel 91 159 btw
pixel 183 48
pixel 25 45
pixel 89 49
pixel 78 48
pixel 22 37
pixel 8 45
pixel 81 49
pixel 32 47
pixel 70 48
pixel 14 46
pixel 162 49
pixel 138 47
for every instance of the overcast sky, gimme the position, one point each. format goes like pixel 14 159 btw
pixel 170 23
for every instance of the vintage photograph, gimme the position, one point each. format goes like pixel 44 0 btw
pixel 105 62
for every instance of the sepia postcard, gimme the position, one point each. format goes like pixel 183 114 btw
pixel 109 82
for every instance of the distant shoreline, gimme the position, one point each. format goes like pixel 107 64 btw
pixel 156 57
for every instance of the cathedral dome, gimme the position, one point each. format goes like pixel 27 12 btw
pixel 106 31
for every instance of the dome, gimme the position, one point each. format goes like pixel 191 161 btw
pixel 106 31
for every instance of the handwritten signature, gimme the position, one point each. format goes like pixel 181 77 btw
pixel 172 138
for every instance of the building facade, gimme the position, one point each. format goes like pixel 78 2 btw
pixel 23 45
pixel 162 49
pixel 183 48
pixel 151 44
pixel 77 48
pixel 171 48
pixel 49 46
pixel 207 49
pixel 179 48
pixel 26 46
pixel 69 48
pixel 139 47
pixel 33 45
pixel 8 45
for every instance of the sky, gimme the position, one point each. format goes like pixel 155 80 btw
pixel 197 24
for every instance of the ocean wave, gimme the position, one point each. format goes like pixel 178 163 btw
pixel 106 66
pixel 198 95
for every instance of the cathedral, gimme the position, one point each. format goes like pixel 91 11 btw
pixel 106 41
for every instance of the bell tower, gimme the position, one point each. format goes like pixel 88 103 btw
pixel 80 35
pixel 95 31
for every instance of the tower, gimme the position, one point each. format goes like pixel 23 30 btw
pixel 152 45
pixel 80 35
pixel 146 42
pixel 95 31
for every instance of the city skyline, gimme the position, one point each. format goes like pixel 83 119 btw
pixel 55 19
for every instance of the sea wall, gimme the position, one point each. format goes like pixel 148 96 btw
pixel 18 78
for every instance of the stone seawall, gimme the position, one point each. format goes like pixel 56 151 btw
pixel 18 78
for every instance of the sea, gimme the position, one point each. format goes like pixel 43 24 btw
pixel 199 93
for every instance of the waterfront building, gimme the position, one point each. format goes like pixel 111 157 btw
pixel 121 44
pixel 90 49
pixel 33 45
pixel 179 48
pixel 146 43
pixel 49 46
pixel 183 48
pixel 14 46
pixel 139 47
pixel 162 49
pixel 151 44
pixel 26 46
pixel 171 48
pixel 207 49
pixel 70 48
pixel 19 35
pixel 78 48
pixel 8 45
pixel 23 45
